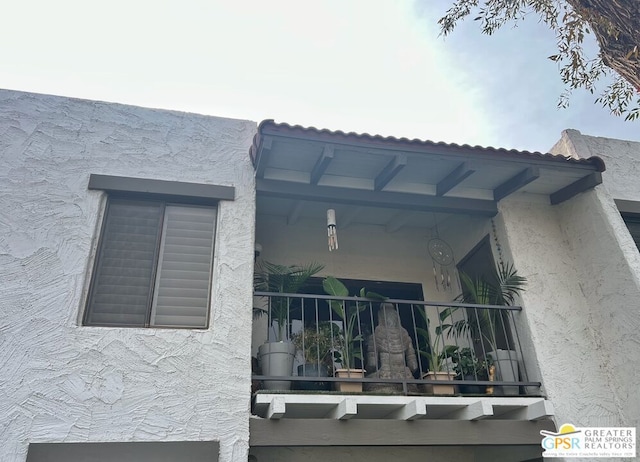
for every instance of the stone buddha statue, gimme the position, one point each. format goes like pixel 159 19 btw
pixel 390 352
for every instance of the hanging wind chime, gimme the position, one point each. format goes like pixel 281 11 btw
pixel 443 263
pixel 331 230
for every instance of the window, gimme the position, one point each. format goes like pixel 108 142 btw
pixel 153 267
pixel 630 211
pixel 633 223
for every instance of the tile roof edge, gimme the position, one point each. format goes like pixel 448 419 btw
pixel 282 128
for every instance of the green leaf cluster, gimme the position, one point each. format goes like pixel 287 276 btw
pixel 499 288
pixel 318 341
pixel 466 363
pixel 349 312
pixel 284 279
pixel 436 352
pixel 612 24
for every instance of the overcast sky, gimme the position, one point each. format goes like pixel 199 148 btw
pixel 367 66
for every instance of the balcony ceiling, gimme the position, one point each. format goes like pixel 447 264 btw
pixel 303 171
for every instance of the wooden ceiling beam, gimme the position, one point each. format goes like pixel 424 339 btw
pixel 516 182
pixel 368 198
pixel 322 164
pixel 457 176
pixel 586 182
pixel 390 171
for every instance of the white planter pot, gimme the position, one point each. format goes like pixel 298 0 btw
pixel 506 362
pixel 276 359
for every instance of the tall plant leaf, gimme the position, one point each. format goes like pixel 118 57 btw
pixel 507 286
pixel 349 312
pixel 284 279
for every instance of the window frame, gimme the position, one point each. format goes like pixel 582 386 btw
pixel 630 213
pixel 164 201
pixel 631 218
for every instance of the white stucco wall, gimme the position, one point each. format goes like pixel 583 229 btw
pixel 64 382
pixel 620 180
pixel 608 264
pixel 581 311
pixel 621 157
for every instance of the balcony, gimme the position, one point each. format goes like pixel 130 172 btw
pixel 393 199
pixel 353 357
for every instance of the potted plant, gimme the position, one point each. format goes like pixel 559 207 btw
pixel 276 356
pixel 437 354
pixel 469 367
pixel 318 343
pixel 500 288
pixel 351 347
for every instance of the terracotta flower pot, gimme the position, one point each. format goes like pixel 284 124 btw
pixel 439 389
pixel 349 387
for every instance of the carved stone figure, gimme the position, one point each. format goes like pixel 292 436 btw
pixel 390 352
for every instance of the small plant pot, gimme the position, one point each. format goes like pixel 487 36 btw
pixel 312 370
pixel 432 389
pixel 349 387
pixel 472 389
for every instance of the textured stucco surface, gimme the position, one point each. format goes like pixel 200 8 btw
pixel 621 157
pixel 608 266
pixel 580 307
pixel 64 382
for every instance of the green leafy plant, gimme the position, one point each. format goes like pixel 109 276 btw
pixel 349 312
pixel 436 353
pixel 466 363
pixel 500 288
pixel 319 342
pixel 284 279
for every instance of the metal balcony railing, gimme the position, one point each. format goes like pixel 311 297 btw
pixel 399 344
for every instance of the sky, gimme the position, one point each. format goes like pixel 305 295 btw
pixel 369 66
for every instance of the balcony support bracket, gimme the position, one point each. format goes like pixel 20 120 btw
pixel 346 409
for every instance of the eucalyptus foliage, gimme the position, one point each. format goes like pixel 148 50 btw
pixel 614 23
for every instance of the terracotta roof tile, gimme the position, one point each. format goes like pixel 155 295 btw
pixel 269 127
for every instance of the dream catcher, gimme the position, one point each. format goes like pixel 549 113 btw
pixel 443 263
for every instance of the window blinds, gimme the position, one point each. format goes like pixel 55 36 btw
pixel 154 266
pixel 122 284
pixel 181 295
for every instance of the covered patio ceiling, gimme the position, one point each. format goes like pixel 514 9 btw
pixel 375 180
